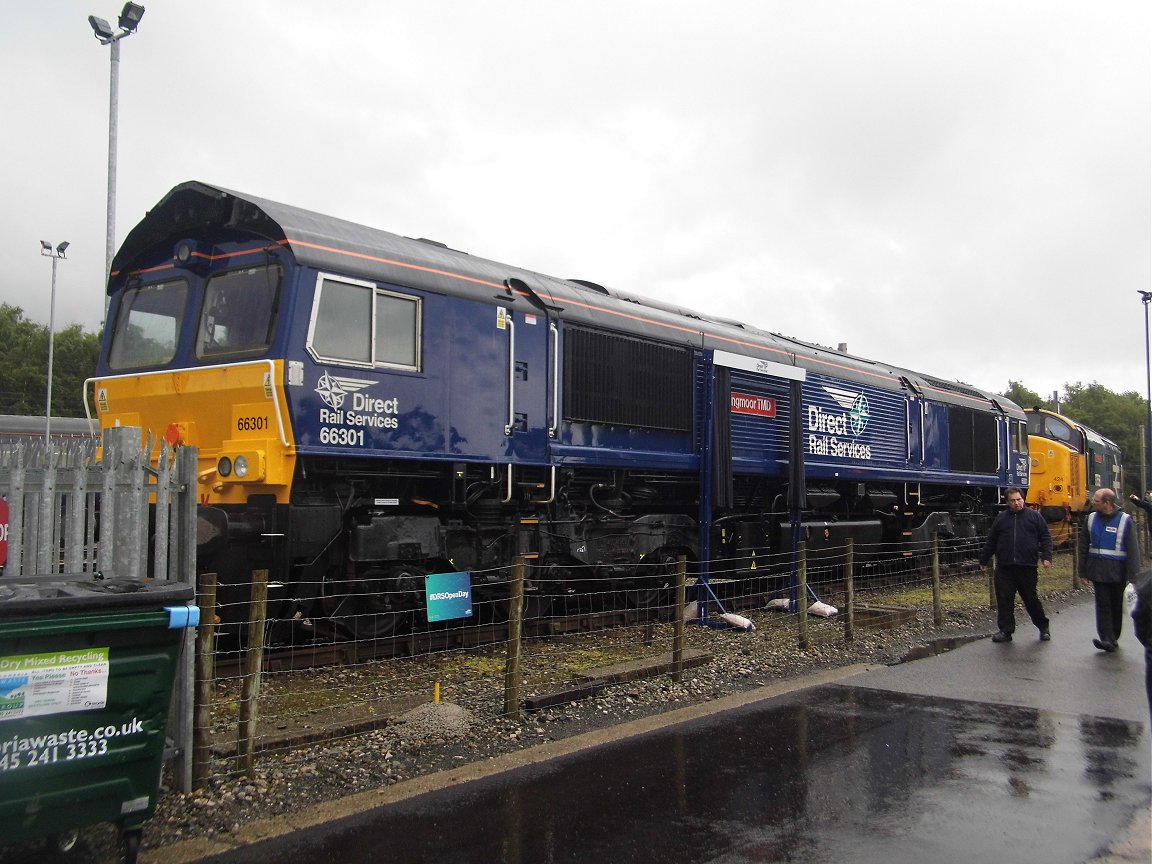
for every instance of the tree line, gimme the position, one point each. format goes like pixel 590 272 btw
pixel 24 359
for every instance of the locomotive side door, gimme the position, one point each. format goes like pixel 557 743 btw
pixel 914 423
pixel 528 412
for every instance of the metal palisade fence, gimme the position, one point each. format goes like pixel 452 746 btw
pixel 79 512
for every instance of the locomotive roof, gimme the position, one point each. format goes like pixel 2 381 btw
pixel 337 245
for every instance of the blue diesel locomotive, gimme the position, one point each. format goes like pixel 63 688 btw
pixel 371 408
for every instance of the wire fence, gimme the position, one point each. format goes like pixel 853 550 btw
pixel 532 642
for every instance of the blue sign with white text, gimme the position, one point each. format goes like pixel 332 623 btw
pixel 449 596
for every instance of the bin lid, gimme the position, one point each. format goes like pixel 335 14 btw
pixel 64 593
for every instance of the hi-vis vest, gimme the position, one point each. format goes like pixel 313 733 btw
pixel 1107 541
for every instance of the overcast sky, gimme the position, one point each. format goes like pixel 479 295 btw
pixel 961 188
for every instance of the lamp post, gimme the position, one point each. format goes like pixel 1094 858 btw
pixel 129 20
pixel 56 255
pixel 1146 298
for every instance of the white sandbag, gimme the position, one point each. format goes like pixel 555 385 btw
pixel 738 621
pixel 822 609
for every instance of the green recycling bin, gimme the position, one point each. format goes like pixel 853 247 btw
pixel 86 673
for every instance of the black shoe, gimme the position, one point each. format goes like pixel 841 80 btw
pixel 1104 646
pixel 1045 636
pixel 1002 637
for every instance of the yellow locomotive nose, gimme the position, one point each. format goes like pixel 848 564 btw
pixel 240 428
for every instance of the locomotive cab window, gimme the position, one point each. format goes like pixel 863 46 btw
pixel 358 323
pixel 1020 436
pixel 148 325
pixel 239 314
pixel 1047 426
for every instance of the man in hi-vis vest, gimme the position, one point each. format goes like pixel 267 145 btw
pixel 1109 559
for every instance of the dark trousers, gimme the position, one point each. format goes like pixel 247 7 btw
pixel 1109 609
pixel 1013 579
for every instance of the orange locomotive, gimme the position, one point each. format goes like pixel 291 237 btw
pixel 1069 463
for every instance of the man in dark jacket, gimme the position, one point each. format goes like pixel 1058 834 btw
pixel 1142 621
pixel 1109 559
pixel 1019 539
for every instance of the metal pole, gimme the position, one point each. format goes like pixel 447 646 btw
pixel 1146 298
pixel 113 110
pixel 1144 431
pixel 51 341
pixel 55 253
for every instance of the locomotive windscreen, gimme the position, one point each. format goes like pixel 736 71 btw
pixel 610 378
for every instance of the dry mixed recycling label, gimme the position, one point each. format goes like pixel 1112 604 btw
pixel 33 685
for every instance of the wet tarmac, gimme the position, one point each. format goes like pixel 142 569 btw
pixel 977 753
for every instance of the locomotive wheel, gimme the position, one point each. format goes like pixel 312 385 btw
pixel 558 594
pixel 406 586
pixel 535 605
pixel 63 843
pixel 656 576
pixel 392 600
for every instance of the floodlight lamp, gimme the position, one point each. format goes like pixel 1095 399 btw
pixel 100 27
pixel 61 247
pixel 45 246
pixel 130 16
pixel 1145 295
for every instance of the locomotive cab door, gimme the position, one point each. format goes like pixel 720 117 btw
pixel 531 337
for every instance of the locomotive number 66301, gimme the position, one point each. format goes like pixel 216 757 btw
pixel 338 435
pixel 251 424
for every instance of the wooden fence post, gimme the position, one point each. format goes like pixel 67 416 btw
pixel 937 608
pixel 802 598
pixel 1075 556
pixel 512 661
pixel 850 592
pixel 678 620
pixel 250 686
pixel 205 682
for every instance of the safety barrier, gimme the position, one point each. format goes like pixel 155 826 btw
pixel 270 696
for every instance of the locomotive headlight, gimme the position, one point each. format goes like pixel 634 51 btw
pixel 241 466
pixel 189 256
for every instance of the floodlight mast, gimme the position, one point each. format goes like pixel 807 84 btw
pixel 56 255
pixel 128 21
pixel 1146 298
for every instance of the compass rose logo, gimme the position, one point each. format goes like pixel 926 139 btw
pixel 859 414
pixel 333 389
pixel 855 403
